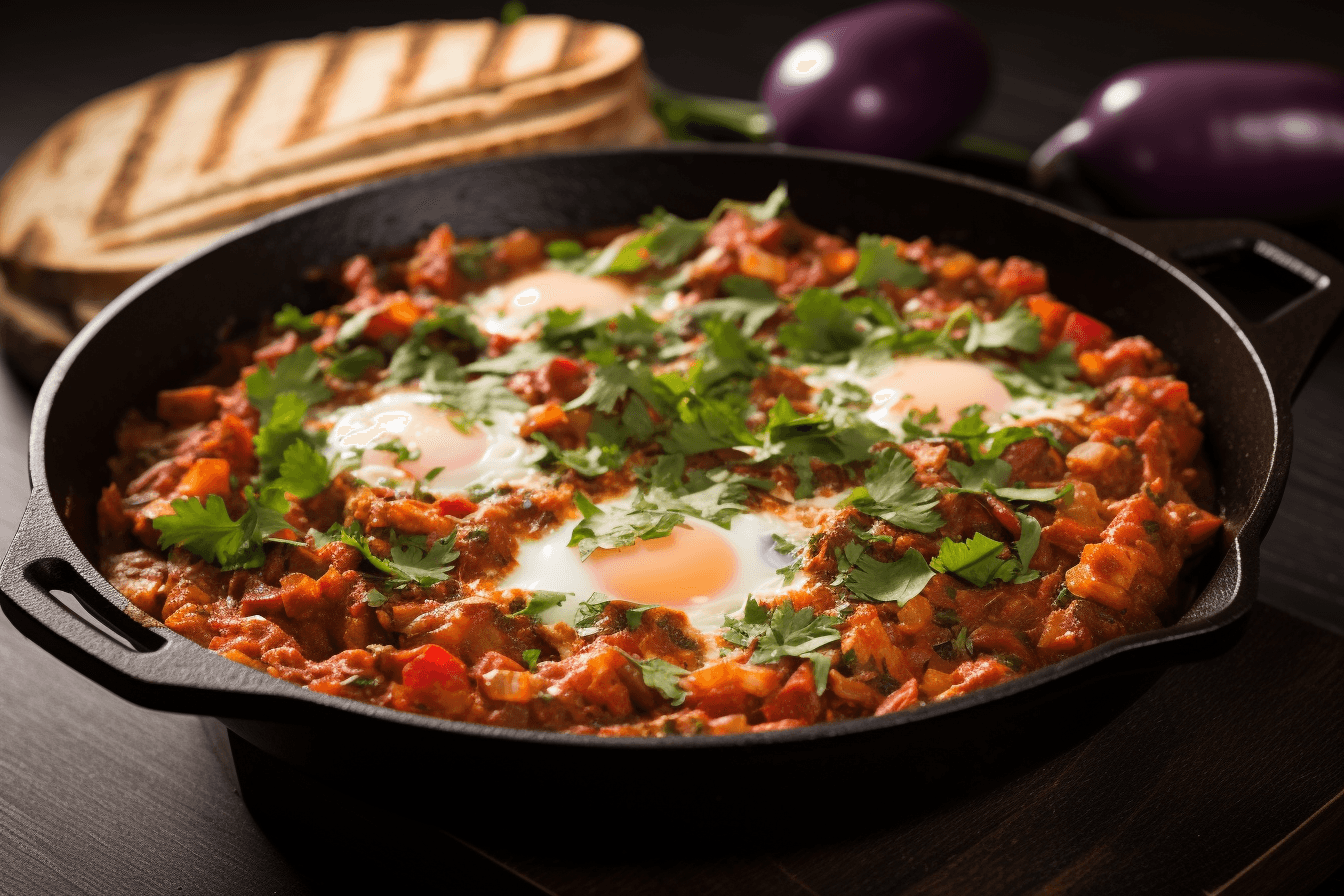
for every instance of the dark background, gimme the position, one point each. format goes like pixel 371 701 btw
pixel 99 796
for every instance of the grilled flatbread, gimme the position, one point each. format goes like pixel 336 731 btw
pixel 147 173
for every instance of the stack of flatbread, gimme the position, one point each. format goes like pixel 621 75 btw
pixel 150 172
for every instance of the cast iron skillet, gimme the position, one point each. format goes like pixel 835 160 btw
pixel 164 329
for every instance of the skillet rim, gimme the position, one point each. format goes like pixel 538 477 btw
pixel 1239 561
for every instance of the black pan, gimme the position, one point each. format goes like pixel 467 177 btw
pixel 165 328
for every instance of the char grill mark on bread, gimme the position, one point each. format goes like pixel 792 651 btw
pixel 134 178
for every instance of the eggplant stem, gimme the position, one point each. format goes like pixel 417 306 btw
pixel 679 112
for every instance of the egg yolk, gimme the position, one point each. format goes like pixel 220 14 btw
pixel 688 567
pixel 417 426
pixel 541 291
pixel 923 384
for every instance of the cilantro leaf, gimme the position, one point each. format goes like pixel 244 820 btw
pixel 298 372
pixel 666 241
pixel 635 615
pixel 896 582
pixel 304 471
pixel 523 356
pixel 618 527
pixel 541 601
pixel 977 559
pixel 662 676
pixel 760 212
pixel 283 428
pixel 409 560
pixel 353 328
pixel 531 656
pixel 208 532
pixel 477 399
pixel 715 496
pixel 1051 378
pixel 784 632
pixel 753 624
pixel 879 262
pixel 589 612
pixel 563 250
pixel 598 458
pixel 834 434
pixel 1017 328
pixel 352 365
pixel 825 327
pixel 889 492
pixel 291 318
pixel 375 598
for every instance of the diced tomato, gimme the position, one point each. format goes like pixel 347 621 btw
pixel 565 378
pixel 207 476
pixel 1085 332
pixel 1052 314
pixel 455 505
pixel 435 666
pixel 194 404
pixel 395 320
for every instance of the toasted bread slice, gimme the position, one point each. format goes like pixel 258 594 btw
pixel 142 175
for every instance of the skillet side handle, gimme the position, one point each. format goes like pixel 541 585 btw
pixel 83 627
pixel 1291 339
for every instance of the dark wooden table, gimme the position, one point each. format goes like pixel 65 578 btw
pixel 1225 775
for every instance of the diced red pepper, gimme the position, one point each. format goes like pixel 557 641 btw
pixel 435 666
pixel 1085 332
pixel 396 319
pixel 455 505
pixel 1053 315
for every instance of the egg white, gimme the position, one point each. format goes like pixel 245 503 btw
pixel 549 564
pixel 508 308
pixel 487 454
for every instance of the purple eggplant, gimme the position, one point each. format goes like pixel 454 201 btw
pixel 1210 138
pixel 893 79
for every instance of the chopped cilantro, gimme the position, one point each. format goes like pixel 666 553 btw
pixel 353 328
pixel 477 399
pixel 635 615
pixel 760 212
pixel 470 259
pixel 523 356
pixel 598 458
pixel 662 676
pixel 825 328
pixel 210 533
pixel 563 250
pixel 962 643
pixel 589 612
pixel 374 598
pixel 618 527
pixel 897 582
pixel 947 618
pixel 1050 378
pixel 879 262
pixel 409 559
pixel 299 372
pixel 541 601
pixel 291 318
pixel 715 496
pixel 666 240
pixel 889 492
pixel 1017 328
pixel 531 656
pixel 396 447
pixel 977 559
pixel 304 471
pixel 784 632
pixel 353 364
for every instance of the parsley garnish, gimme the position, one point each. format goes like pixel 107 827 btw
pixel 784 632
pixel 1050 378
pixel 879 262
pixel 619 527
pixel 563 250
pixel 666 241
pixel 352 365
pixel 409 561
pixel 531 656
pixel 375 598
pixel 662 676
pixel 304 471
pixel 291 318
pixel 977 559
pixel 541 601
pixel 897 582
pixel 599 457
pixel 299 372
pixel 889 492
pixel 589 612
pixel 208 531
pixel 396 447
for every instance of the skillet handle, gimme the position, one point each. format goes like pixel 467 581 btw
pixel 1291 339
pixel 47 590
